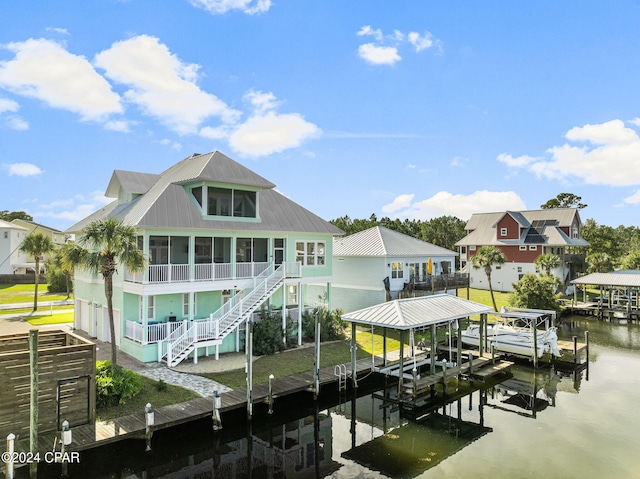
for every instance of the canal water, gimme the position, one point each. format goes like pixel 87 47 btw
pixel 533 424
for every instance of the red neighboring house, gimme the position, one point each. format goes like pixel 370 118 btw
pixel 522 236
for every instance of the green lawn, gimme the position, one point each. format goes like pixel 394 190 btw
pixel 46 319
pixel 23 293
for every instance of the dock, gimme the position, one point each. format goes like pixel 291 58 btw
pixel 102 433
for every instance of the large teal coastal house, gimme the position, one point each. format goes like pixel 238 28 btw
pixel 221 245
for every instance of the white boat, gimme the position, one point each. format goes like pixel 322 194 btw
pixel 514 340
pixel 513 333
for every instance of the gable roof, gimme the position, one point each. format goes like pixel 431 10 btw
pixel 8 225
pixel 33 225
pixel 166 203
pixel 131 182
pixel 538 227
pixel 381 241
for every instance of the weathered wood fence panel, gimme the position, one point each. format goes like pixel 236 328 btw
pixel 66 382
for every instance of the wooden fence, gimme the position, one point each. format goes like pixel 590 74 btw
pixel 66 382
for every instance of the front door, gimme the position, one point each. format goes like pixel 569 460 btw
pixel 278 251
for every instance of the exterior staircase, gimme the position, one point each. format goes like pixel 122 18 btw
pixel 212 330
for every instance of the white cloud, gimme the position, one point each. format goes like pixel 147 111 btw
pixel 459 161
pixel 609 157
pixel 384 51
pixel 74 209
pixel 634 199
pixel 261 101
pixel 268 133
pixel 23 169
pixel 172 144
pixel 378 55
pixel 8 105
pixel 421 42
pixel 517 162
pixel 217 7
pixel 61 31
pixel 610 132
pixel 161 85
pixel 16 123
pixel 368 31
pixel 44 70
pixel 399 203
pixel 118 125
pixel 444 203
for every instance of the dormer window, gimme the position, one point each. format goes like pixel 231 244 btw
pixel 503 231
pixel 226 202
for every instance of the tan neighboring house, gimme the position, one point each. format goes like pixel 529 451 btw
pixel 58 238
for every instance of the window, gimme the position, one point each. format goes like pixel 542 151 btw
pixel 574 232
pixel 533 247
pixel 414 271
pixel 463 250
pixel 6 234
pixel 472 248
pixel 523 247
pixel 197 194
pixel 397 270
pixel 185 304
pixel 204 250
pixel 292 294
pixel 519 269
pixel 151 310
pixel 226 201
pixel 311 253
pixel 503 231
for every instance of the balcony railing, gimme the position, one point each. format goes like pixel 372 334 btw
pixel 175 273
pixel 154 332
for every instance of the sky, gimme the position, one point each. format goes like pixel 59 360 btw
pixel 414 109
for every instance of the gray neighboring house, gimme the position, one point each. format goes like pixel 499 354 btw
pixel 363 260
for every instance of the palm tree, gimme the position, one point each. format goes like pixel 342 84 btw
pixel 61 262
pixel 485 258
pixel 101 247
pixel 546 262
pixel 37 245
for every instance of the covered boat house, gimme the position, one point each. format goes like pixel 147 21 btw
pixel 427 313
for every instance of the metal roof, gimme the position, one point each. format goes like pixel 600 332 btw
pixel 541 227
pixel 381 241
pixel 417 312
pixel 131 182
pixel 167 205
pixel 630 279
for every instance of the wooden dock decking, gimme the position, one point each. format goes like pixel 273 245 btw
pixel 101 433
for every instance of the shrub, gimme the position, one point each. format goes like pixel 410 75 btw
pixel 57 281
pixel 160 386
pixel 536 291
pixel 331 325
pixel 267 334
pixel 115 385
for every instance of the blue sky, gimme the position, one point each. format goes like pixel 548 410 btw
pixel 412 109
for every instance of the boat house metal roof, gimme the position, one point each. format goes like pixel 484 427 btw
pixel 413 313
pixel 627 279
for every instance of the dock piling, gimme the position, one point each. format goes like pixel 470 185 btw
pixel 8 465
pixel 149 416
pixel 217 404
pixel 271 376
